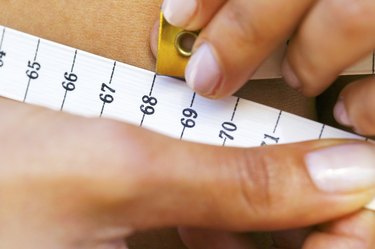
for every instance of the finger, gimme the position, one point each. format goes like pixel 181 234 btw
pixel 213 239
pixel 129 178
pixel 154 37
pixel 356 105
pixel 190 14
pixel 238 39
pixel 64 161
pixel 271 188
pixel 334 35
pixel 352 232
pixel 290 239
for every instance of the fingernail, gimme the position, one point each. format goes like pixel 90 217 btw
pixel 371 205
pixel 343 169
pixel 203 73
pixel 179 12
pixel 340 113
pixel 289 75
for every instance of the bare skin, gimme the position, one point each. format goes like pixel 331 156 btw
pixel 100 206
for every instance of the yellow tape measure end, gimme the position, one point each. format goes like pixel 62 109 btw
pixel 174 49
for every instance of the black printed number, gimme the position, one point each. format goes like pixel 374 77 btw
pixel 2 54
pixel 107 94
pixel 33 69
pixel 268 140
pixel 190 116
pixel 149 103
pixel 70 81
pixel 228 128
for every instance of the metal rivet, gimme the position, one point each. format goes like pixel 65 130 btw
pixel 184 42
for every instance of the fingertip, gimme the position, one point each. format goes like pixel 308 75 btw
pixel 154 37
pixel 289 75
pixel 352 232
pixel 203 73
pixel 356 109
pixel 343 169
pixel 179 13
pixel 340 113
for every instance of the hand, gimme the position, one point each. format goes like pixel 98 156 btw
pixel 72 182
pixel 354 231
pixel 326 38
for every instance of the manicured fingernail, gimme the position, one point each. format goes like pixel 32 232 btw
pixel 371 205
pixel 203 73
pixel 289 75
pixel 340 113
pixel 179 12
pixel 343 169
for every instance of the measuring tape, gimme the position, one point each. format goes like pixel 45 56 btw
pixel 44 73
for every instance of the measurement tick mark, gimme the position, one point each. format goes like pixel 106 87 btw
pixel 113 72
pixel 74 61
pixel 277 122
pixel 2 39
pixel 37 50
pixel 321 131
pixel 153 85
pixel 235 109
pixel 192 101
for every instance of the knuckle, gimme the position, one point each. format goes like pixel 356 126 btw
pixel 113 156
pixel 351 16
pixel 246 31
pixel 107 137
pixel 110 132
pixel 257 180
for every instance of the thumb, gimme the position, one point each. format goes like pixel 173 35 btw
pixel 266 188
pixel 236 41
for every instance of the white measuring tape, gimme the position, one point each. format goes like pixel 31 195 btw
pixel 40 72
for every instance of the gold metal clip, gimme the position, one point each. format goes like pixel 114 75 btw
pixel 174 49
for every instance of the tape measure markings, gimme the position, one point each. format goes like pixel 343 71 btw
pixel 278 121
pixel 272 139
pixel 142 98
pixel 321 132
pixel 150 103
pixel 107 91
pixel 32 72
pixel 2 38
pixel 2 54
pixel 189 118
pixel 108 98
pixel 70 84
pixel 229 127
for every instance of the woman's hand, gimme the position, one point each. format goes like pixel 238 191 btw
pixel 355 231
pixel 326 37
pixel 72 182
